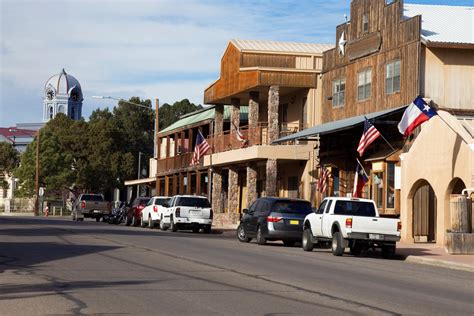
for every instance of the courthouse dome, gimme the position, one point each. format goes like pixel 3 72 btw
pixel 63 84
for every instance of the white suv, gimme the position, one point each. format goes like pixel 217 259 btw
pixel 187 212
pixel 153 211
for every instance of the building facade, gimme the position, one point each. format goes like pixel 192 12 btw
pixel 385 56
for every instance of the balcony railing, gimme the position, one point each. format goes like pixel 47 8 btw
pixel 228 141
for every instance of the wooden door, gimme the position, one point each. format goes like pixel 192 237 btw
pixel 424 214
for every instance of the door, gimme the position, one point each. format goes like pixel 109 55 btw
pixel 424 214
pixel 250 219
pixel 316 226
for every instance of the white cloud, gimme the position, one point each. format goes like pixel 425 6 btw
pixel 170 49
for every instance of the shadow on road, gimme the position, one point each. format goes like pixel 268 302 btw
pixel 21 255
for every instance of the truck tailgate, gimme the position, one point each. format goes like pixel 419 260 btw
pixel 375 225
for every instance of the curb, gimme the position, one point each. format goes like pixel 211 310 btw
pixel 17 214
pixel 440 263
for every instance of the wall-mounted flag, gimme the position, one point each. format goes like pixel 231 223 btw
pixel 323 180
pixel 200 149
pixel 360 180
pixel 416 113
pixel 368 136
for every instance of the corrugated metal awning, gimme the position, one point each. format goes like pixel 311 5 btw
pixel 336 126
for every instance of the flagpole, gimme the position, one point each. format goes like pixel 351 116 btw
pixel 381 135
pixel 363 169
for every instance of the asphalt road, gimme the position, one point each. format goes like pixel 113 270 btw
pixel 56 266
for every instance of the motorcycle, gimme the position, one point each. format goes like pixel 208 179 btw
pixel 119 214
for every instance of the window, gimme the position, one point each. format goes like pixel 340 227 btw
pixel 193 202
pixel 292 207
pixel 392 77
pixel 364 85
pixel 321 207
pixel 329 206
pixel 354 208
pixel 284 113
pixel 293 187
pixel 377 185
pixel 390 185
pixel 50 112
pixel 73 114
pixel 365 23
pixel 338 92
pixel 304 114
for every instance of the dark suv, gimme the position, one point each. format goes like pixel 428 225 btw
pixel 273 218
pixel 134 213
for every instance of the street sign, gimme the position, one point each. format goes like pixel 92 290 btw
pixel 41 191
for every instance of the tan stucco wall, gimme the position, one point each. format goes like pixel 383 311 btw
pixel 438 155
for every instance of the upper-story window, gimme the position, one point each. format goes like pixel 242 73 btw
pixel 364 85
pixel 51 112
pixel 365 23
pixel 392 77
pixel 338 92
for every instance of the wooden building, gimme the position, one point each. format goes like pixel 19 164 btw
pixel 385 56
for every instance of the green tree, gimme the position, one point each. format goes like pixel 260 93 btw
pixel 9 159
pixel 171 113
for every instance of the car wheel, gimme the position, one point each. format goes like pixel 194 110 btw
pixel 74 218
pixel 97 219
pixel 173 226
pixel 337 244
pixel 355 248
pixel 260 239
pixel 128 221
pixel 142 223
pixel 241 236
pixel 388 251
pixel 307 240
pixel 207 229
pixel 81 219
pixel 150 222
pixel 163 226
pixel 196 229
pixel 289 243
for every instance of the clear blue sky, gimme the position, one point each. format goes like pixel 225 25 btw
pixel 165 48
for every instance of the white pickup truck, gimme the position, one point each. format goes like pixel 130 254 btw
pixel 353 223
pixel 187 212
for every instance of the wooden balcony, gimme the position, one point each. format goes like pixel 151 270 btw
pixel 180 161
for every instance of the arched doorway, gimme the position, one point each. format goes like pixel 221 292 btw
pixel 424 213
pixel 457 186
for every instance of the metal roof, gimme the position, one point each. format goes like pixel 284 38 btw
pixel 283 47
pixel 204 115
pixel 335 126
pixel 442 23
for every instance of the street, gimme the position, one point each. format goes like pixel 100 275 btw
pixel 57 266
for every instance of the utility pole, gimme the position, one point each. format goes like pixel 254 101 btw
pixel 157 145
pixel 139 172
pixel 37 175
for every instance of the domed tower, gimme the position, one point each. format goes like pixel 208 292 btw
pixel 62 94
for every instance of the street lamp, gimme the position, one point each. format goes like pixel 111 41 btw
pixel 36 212
pixel 155 125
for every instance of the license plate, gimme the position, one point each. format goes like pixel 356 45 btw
pixel 376 236
pixel 96 211
pixel 293 222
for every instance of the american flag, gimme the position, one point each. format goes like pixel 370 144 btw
pixel 368 136
pixel 200 148
pixel 323 180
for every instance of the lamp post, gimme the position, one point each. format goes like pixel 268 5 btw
pixel 36 211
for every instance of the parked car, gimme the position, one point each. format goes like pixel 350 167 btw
pixel 153 211
pixel 273 218
pixel 134 214
pixel 187 212
pixel 90 206
pixel 353 223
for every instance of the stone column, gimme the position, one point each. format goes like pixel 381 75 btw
pixel 254 136
pixel 271 181
pixel 234 114
pixel 218 127
pixel 251 183
pixel 233 191
pixel 273 104
pixel 216 190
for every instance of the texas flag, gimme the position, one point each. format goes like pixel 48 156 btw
pixel 416 113
pixel 360 180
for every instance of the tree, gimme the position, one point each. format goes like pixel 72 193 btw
pixel 9 159
pixel 171 113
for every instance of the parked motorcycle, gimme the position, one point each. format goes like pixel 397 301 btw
pixel 119 214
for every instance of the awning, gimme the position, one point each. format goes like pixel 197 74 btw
pixel 336 126
pixel 140 181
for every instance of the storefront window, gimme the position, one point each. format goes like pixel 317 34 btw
pixel 390 185
pixel 336 182
pixel 377 188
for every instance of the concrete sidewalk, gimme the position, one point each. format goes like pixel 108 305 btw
pixel 435 255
